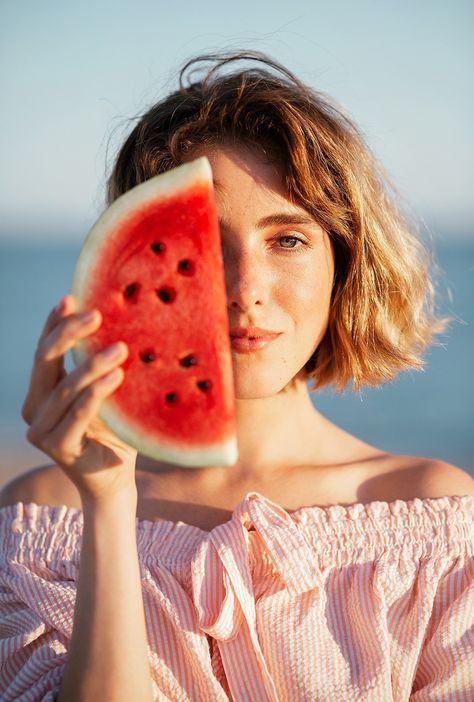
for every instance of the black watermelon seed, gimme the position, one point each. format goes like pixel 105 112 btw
pixel 185 266
pixel 166 294
pixel 148 357
pixel 204 384
pixel 171 397
pixel 157 247
pixel 130 289
pixel 188 361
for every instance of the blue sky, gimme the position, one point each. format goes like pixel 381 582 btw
pixel 74 72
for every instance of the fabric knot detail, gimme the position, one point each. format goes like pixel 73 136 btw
pixel 221 573
pixel 287 545
pixel 219 613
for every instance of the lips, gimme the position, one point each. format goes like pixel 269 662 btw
pixel 253 333
pixel 246 340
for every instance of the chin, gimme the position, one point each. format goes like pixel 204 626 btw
pixel 257 386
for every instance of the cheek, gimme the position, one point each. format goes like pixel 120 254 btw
pixel 310 287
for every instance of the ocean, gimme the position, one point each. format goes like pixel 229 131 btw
pixel 428 413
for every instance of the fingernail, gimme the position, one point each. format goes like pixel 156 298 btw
pixel 113 351
pixel 87 317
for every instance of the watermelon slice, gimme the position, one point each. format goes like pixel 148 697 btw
pixel 152 264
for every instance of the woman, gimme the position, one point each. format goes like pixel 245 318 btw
pixel 318 567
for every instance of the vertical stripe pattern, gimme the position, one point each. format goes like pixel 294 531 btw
pixel 361 602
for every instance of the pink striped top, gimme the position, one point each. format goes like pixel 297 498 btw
pixel 362 602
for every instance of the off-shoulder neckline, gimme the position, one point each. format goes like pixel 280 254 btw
pixel 334 512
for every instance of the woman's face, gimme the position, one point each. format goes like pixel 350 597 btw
pixel 279 268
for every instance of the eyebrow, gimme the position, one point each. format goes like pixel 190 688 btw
pixel 279 218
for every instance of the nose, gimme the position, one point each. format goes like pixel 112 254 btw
pixel 245 279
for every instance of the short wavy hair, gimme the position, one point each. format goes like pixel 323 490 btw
pixel 382 313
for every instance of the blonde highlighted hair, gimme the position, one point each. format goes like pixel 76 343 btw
pixel 382 315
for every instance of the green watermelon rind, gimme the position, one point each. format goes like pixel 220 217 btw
pixel 180 178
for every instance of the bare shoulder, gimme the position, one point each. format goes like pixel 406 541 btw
pixel 437 478
pixel 44 485
pixel 403 477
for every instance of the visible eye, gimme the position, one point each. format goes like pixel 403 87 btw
pixel 292 239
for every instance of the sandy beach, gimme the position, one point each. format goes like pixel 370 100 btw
pixel 17 456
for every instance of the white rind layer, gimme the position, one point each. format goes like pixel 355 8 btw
pixel 224 454
pixel 169 183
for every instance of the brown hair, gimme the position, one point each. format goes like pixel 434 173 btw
pixel 382 314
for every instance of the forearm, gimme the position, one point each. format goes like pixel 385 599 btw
pixel 107 658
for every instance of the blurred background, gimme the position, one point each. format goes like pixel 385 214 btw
pixel 74 74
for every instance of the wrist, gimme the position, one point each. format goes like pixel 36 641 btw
pixel 123 502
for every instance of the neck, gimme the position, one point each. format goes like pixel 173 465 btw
pixel 274 435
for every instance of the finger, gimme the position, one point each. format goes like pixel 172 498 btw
pixel 65 307
pixel 66 443
pixel 67 391
pixel 48 366
pixel 54 372
pixel 69 330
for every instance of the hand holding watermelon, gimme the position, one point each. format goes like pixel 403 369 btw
pixel 152 265
pixel 62 409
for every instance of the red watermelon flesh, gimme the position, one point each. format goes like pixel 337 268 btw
pixel 152 264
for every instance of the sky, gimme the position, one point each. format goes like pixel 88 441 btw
pixel 73 74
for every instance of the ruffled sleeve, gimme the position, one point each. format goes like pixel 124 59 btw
pixel 39 564
pixel 445 670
